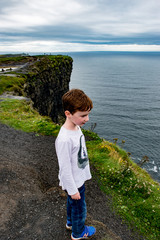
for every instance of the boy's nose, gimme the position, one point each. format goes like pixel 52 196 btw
pixel 87 118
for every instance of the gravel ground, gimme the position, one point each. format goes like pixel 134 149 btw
pixel 32 206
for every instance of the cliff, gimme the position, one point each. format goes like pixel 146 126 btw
pixel 47 80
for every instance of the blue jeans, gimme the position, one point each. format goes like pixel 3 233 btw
pixel 76 212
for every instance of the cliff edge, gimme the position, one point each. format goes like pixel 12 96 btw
pixel 48 79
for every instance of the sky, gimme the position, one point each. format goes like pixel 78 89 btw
pixel 79 25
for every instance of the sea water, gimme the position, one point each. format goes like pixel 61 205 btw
pixel 125 89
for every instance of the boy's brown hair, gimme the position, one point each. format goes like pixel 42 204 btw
pixel 76 100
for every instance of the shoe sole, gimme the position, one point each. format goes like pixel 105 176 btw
pixel 82 237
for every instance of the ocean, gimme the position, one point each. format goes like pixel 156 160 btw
pixel 125 89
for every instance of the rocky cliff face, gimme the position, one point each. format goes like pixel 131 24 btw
pixel 47 80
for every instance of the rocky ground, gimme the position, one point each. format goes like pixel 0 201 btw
pixel 32 206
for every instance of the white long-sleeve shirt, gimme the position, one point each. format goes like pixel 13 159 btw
pixel 73 161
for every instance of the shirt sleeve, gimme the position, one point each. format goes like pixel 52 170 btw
pixel 63 149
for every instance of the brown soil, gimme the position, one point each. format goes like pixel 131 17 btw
pixel 32 206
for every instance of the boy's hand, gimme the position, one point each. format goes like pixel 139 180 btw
pixel 76 196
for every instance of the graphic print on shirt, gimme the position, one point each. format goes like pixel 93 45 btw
pixel 82 155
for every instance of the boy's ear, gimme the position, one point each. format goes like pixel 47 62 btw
pixel 67 113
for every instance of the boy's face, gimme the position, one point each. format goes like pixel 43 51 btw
pixel 79 118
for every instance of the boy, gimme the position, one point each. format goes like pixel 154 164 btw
pixel 73 161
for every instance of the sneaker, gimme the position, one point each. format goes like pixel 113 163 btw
pixel 87 233
pixel 68 225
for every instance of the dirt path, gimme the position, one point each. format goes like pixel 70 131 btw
pixel 32 206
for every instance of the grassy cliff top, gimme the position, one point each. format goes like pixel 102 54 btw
pixel 13 79
pixel 17 59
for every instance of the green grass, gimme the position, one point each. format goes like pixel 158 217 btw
pixel 9 83
pixel 135 195
pixel 20 115
pixel 4 59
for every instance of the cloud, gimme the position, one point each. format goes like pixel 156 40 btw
pixel 93 23
pixel 30 14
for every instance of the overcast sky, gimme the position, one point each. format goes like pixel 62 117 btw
pixel 79 25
